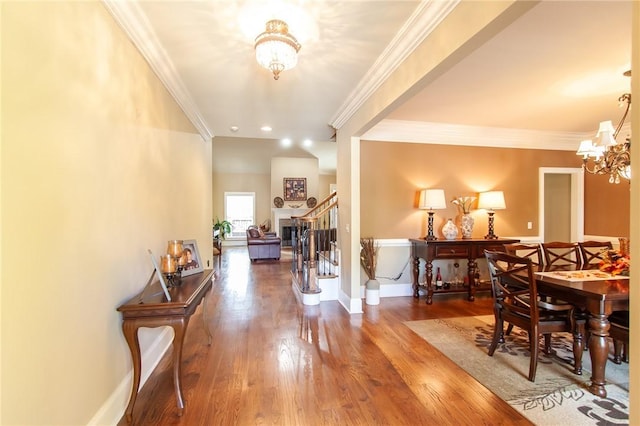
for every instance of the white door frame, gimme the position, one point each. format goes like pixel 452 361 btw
pixel 577 200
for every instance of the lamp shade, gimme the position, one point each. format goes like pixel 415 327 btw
pixel 432 199
pixel 604 137
pixel 491 200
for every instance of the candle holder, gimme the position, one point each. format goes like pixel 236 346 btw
pixel 169 269
pixel 174 259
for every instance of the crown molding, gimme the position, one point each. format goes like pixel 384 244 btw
pixel 420 24
pixel 456 134
pixel 134 23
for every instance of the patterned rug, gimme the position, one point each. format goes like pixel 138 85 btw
pixel 558 397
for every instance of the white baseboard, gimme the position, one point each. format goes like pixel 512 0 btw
pixel 396 290
pixel 352 306
pixel 114 407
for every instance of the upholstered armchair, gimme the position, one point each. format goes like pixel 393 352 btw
pixel 262 245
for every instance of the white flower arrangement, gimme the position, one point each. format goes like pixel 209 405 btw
pixel 464 203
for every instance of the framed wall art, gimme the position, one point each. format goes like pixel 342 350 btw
pixel 295 189
pixel 193 263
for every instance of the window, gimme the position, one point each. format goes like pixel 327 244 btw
pixel 239 209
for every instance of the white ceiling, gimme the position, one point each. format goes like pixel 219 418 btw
pixel 557 68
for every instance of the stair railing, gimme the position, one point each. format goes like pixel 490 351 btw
pixel 314 244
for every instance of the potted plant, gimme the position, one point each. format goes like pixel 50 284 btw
pixel 368 261
pixel 221 228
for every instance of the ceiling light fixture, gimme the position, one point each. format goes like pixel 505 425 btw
pixel 607 155
pixel 276 49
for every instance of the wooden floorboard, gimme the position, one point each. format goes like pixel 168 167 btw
pixel 275 361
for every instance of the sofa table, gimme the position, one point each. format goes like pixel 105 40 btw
pixel 151 309
pixel 469 249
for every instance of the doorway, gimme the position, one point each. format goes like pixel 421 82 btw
pixel 561 204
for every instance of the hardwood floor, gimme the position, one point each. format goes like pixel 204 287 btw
pixel 275 361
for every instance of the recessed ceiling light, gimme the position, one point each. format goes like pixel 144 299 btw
pixel 307 142
pixel 266 128
pixel 285 142
pixel 234 128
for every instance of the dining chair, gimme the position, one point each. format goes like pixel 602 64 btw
pixel 592 251
pixel 559 253
pixel 515 300
pixel 532 251
pixel 619 333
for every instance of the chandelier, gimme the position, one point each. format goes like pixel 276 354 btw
pixel 606 156
pixel 276 49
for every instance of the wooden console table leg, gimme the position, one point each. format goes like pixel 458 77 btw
pixel 429 274
pixel 130 331
pixel 415 271
pixel 472 267
pixel 204 319
pixel 179 326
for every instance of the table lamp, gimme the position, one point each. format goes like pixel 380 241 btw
pixel 431 199
pixel 491 200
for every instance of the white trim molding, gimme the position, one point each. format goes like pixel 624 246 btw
pixel 427 16
pixel 458 134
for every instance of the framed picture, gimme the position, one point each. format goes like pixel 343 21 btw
pixel 295 189
pixel 163 283
pixel 194 263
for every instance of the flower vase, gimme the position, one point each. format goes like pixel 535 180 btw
pixel 466 225
pixel 372 292
pixel 450 230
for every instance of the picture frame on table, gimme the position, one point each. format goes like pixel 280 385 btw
pixel 194 261
pixel 161 277
pixel 295 189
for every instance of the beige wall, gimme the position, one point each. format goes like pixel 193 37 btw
pixel 392 174
pixel 260 184
pixel 286 167
pixel 98 164
pixel 324 186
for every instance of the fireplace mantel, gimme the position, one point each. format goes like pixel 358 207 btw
pixel 284 213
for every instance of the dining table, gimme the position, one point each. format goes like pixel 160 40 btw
pixel 594 292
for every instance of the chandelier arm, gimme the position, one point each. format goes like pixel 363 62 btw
pixel 609 157
pixel 624 98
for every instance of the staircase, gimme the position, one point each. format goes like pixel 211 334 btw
pixel 315 262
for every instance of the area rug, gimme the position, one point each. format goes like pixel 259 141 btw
pixel 558 397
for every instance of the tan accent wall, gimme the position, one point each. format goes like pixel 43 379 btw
pixel 392 174
pixel 607 206
pixel 99 164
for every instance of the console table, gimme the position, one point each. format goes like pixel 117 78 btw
pixel 150 308
pixel 469 249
